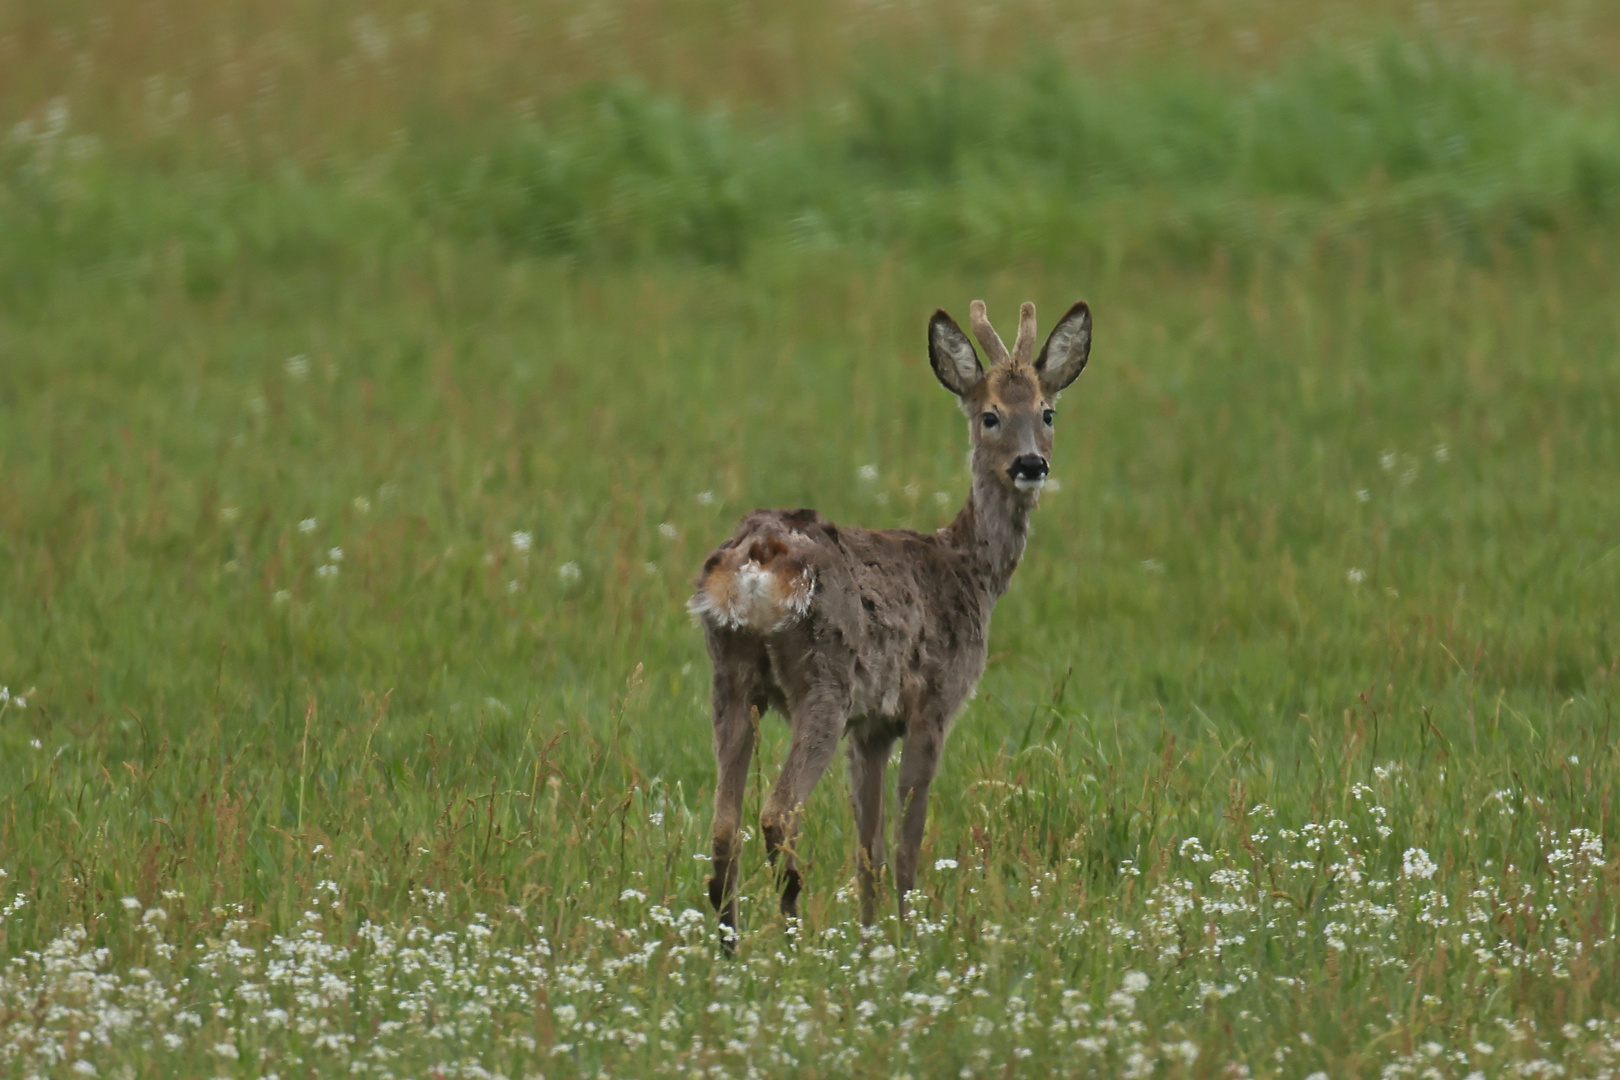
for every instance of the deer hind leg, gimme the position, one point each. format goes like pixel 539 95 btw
pixel 817 723
pixel 738 701
pixel 919 761
pixel 868 760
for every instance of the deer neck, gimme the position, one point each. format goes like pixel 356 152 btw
pixel 992 529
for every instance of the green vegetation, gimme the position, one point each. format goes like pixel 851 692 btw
pixel 1035 162
pixel 359 438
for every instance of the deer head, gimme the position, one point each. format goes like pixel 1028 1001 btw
pixel 1010 408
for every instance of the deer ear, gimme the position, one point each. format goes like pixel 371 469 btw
pixel 1064 355
pixel 951 353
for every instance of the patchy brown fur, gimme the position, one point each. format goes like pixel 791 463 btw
pixel 876 634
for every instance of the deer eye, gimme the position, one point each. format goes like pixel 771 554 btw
pixel 989 420
pixel 1046 416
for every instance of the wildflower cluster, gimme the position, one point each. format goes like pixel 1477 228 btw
pixel 1193 961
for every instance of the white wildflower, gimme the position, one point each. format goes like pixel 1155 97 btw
pixel 568 573
pixel 1355 575
pixel 131 903
pixel 867 473
pixel 297 366
pixel 666 530
pixel 944 864
pixel 335 554
pixel 307 525
pixel 1417 864
pixel 522 542
pixel 1135 982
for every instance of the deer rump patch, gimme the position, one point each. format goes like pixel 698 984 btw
pixel 763 582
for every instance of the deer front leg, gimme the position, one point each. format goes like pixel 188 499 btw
pixel 919 761
pixel 736 720
pixel 868 759
pixel 817 725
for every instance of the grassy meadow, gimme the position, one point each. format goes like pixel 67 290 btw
pixel 373 379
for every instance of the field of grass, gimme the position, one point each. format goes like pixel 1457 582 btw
pixel 374 378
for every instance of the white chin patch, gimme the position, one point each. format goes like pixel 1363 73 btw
pixel 1029 485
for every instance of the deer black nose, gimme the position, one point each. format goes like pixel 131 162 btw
pixel 1029 467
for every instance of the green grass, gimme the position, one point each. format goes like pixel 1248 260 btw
pixel 1330 576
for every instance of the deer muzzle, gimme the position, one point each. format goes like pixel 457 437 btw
pixel 1028 471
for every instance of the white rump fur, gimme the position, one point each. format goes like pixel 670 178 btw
pixel 760 598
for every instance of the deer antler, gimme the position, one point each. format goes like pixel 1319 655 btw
pixel 989 340
pixel 1023 350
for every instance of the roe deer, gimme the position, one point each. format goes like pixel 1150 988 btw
pixel 876 634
